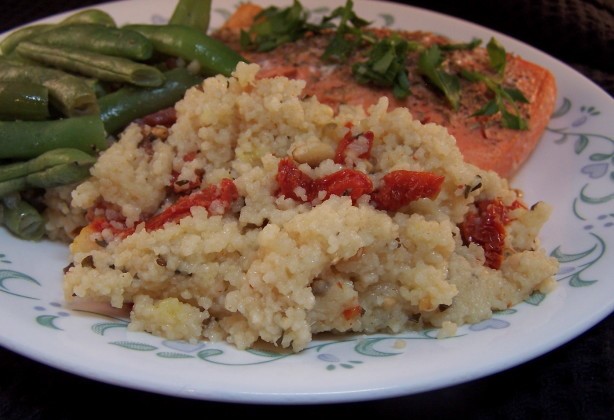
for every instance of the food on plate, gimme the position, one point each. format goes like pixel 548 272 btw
pixel 496 104
pixel 265 215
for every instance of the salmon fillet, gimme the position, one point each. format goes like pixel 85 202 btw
pixel 483 141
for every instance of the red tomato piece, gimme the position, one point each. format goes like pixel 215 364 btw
pixel 290 177
pixel 348 140
pixel 345 182
pixel 99 224
pixel 486 227
pixel 401 187
pixel 223 195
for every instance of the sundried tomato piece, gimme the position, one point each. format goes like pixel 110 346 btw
pixel 216 199
pixel 290 177
pixel 486 227
pixel 105 216
pixel 399 188
pixel 349 141
pixel 346 182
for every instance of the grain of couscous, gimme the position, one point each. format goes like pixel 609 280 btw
pixel 263 216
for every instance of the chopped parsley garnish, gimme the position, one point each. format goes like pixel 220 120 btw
pixel 274 26
pixel 475 42
pixel 386 66
pixel 349 34
pixel 504 97
pixel 429 64
pixel 497 56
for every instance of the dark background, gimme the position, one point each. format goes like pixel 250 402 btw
pixel 574 381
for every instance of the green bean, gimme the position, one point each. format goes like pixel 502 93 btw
pixel 100 88
pixel 90 16
pixel 98 38
pixel 99 66
pixel 51 169
pixel 55 157
pixel 194 13
pixel 65 174
pixel 14 185
pixel 17 60
pixel 22 219
pixel 26 101
pixel 28 139
pixel 189 43
pixel 8 44
pixel 119 108
pixel 72 95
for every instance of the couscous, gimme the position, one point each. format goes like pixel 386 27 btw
pixel 264 216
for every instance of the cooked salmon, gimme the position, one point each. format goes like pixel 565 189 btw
pixel 482 139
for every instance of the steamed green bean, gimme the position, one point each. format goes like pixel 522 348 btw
pixel 194 13
pixel 65 174
pixel 21 218
pixel 90 16
pixel 28 139
pixel 27 101
pixel 14 185
pixel 55 157
pixel 10 42
pixel 119 108
pixel 51 169
pixel 99 39
pixel 99 66
pixel 72 95
pixel 189 43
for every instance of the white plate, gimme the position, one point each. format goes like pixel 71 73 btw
pixel 572 169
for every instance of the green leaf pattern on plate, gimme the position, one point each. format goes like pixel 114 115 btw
pixel 16 275
pixel 599 167
pixel 48 321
